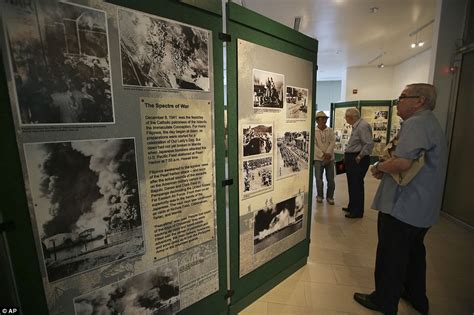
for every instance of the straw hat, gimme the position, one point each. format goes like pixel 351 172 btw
pixel 321 114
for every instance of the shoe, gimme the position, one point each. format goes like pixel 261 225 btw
pixel 345 209
pixel 319 200
pixel 364 300
pixel 330 201
pixel 354 216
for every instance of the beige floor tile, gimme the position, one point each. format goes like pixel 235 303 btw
pixel 289 293
pixel 355 276
pixel 314 272
pixel 285 309
pixel 256 308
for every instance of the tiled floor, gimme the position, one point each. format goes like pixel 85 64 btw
pixel 342 257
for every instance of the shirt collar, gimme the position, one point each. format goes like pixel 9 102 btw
pixel 356 123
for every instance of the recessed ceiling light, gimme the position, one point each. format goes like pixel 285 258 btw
pixel 374 9
pixel 413 45
pixel 421 43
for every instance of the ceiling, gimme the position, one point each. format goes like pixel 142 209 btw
pixel 350 35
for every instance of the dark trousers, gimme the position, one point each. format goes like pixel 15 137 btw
pixel 400 265
pixel 355 173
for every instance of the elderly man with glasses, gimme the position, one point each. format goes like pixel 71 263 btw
pixel 408 210
pixel 357 161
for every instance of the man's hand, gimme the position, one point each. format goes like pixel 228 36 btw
pixel 358 158
pixel 375 172
pixel 327 156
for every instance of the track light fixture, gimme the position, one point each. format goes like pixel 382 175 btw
pixel 419 43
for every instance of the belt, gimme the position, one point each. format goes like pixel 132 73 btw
pixel 351 153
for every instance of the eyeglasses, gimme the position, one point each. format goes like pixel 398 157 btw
pixel 401 97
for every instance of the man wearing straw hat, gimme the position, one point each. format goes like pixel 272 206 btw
pixel 324 158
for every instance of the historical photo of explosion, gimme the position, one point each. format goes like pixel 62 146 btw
pixel 258 174
pixel 296 103
pixel 86 203
pixel 152 292
pixel 257 139
pixel 275 222
pixel 292 153
pixel 161 53
pixel 60 62
pixel 268 89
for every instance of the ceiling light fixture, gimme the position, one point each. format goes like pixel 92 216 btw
pixel 419 43
pixel 381 65
pixel 374 9
pixel 379 56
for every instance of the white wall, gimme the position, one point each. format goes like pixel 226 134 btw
pixel 372 83
pixel 413 70
pixel 327 92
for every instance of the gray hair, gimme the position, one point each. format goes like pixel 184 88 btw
pixel 426 90
pixel 353 112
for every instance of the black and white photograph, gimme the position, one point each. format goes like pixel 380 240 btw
pixel 152 292
pixel 161 53
pixel 268 89
pixel 60 62
pixel 382 114
pixel 275 222
pixel 292 152
pixel 258 174
pixel 296 103
pixel 380 126
pixel 86 203
pixel 257 139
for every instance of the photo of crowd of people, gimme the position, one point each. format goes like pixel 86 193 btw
pixel 258 174
pixel 381 114
pixel 60 62
pixel 380 126
pixel 268 89
pixel 161 53
pixel 273 222
pixel 257 139
pixel 296 103
pixel 293 152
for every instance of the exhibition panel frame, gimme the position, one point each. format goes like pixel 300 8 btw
pixel 381 116
pixel 113 138
pixel 271 79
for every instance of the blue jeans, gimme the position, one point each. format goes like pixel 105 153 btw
pixel 319 168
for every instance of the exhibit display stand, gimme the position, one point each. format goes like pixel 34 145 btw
pixel 381 116
pixel 112 120
pixel 271 102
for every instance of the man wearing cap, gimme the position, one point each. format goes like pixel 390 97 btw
pixel 357 160
pixel 324 158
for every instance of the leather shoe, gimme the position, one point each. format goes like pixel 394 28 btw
pixel 353 216
pixel 345 209
pixel 364 300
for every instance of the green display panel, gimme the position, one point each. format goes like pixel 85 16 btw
pixel 113 117
pixel 381 116
pixel 271 104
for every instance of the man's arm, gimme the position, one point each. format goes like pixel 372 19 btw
pixel 394 165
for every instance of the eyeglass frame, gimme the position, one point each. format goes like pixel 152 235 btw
pixel 401 97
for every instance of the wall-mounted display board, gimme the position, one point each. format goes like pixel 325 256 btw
pixel 114 111
pixel 341 128
pixel 377 113
pixel 271 103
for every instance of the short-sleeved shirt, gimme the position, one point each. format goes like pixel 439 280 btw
pixel 419 202
pixel 361 139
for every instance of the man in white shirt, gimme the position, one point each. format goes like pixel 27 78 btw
pixel 324 158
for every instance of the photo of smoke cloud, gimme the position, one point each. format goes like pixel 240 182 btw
pixel 86 203
pixel 275 222
pixel 161 53
pixel 257 139
pixel 268 89
pixel 258 174
pixel 152 292
pixel 292 152
pixel 296 103
pixel 60 62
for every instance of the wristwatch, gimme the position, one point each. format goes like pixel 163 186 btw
pixel 376 165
